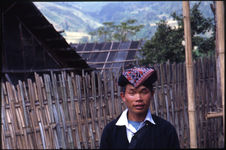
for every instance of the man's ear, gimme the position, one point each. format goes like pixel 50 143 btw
pixel 122 94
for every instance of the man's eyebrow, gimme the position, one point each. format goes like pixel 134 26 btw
pixel 144 88
pixel 131 89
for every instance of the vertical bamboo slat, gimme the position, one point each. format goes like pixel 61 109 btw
pixel 105 104
pixel 4 124
pixel 79 110
pixel 60 142
pixel 12 120
pixel 72 110
pixel 50 120
pixel 22 119
pixel 34 118
pixel 63 109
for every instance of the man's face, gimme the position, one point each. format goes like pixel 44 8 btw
pixel 137 99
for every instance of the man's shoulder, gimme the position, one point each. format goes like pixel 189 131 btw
pixel 161 122
pixel 112 123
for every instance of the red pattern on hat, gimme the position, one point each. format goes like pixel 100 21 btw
pixel 137 76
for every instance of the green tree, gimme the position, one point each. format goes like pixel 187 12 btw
pixel 166 44
pixel 93 35
pixel 103 33
pixel 199 26
pixel 126 29
pixel 111 32
pixel 108 30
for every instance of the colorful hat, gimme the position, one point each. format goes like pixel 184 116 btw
pixel 138 76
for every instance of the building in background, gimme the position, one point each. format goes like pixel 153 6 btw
pixel 31 44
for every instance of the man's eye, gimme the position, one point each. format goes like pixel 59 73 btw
pixel 131 92
pixel 144 91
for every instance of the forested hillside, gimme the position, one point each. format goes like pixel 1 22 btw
pixel 77 19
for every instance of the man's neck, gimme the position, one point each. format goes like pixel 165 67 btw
pixel 136 117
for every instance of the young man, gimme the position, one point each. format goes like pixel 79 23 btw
pixel 136 127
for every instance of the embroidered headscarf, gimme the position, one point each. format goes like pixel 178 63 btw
pixel 138 76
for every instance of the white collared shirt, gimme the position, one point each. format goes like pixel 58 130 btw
pixel 130 130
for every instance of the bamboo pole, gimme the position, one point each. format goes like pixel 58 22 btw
pixel 110 50
pixel 221 47
pixel 40 70
pixel 189 73
pixel 214 115
pixel 213 7
pixel 110 62
pixel 107 57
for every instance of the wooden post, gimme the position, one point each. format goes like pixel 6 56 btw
pixel 189 73
pixel 221 48
pixel 218 78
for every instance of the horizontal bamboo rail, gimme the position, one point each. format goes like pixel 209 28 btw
pixel 105 51
pixel 109 62
pixel 214 115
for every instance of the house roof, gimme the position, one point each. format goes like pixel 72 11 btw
pixel 46 34
pixel 109 55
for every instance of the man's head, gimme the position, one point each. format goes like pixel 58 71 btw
pixel 137 89
pixel 138 76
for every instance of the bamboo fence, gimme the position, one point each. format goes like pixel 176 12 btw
pixel 69 111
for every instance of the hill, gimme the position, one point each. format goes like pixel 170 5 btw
pixel 79 18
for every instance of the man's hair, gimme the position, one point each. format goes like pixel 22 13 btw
pixel 123 89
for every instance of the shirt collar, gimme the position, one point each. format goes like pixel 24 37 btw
pixel 123 120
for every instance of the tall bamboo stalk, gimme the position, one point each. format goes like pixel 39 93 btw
pixel 189 73
pixel 221 47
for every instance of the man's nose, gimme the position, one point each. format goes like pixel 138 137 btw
pixel 138 96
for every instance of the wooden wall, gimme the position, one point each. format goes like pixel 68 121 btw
pixel 70 111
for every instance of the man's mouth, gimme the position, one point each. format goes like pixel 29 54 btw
pixel 139 107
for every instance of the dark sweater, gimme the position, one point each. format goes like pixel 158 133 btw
pixel 160 135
